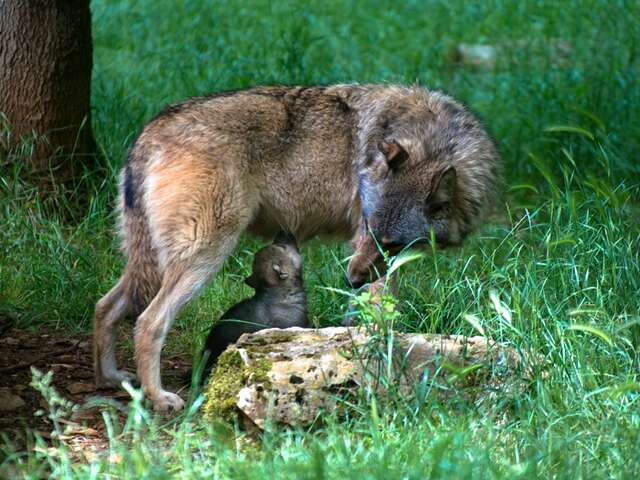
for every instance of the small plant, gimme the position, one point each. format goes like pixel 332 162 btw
pixel 374 311
pixel 377 310
pixel 58 407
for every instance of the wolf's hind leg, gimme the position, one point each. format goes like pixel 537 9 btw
pixel 109 311
pixel 181 282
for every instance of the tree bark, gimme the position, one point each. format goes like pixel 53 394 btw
pixel 45 85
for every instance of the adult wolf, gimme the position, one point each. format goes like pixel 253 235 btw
pixel 347 160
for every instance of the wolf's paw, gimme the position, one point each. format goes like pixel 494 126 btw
pixel 114 379
pixel 167 401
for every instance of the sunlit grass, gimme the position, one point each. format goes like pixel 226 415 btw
pixel 556 269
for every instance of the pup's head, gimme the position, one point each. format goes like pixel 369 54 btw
pixel 278 264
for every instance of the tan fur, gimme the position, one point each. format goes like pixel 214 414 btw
pixel 307 160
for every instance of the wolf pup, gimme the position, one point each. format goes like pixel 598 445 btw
pixel 387 165
pixel 279 300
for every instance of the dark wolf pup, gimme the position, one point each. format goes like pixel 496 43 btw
pixel 381 164
pixel 279 300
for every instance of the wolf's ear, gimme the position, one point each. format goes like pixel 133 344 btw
pixel 443 188
pixel 282 275
pixel 394 153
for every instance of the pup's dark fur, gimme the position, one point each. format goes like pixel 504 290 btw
pixel 342 160
pixel 279 300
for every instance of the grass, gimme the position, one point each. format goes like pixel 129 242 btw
pixel 555 270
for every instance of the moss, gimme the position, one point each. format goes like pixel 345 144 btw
pixel 224 384
pixel 262 349
pixel 261 370
pixel 227 379
pixel 274 337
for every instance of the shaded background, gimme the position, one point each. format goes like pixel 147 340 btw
pixel 572 63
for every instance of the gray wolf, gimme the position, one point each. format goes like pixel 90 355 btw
pixel 381 164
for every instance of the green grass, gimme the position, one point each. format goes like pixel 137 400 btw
pixel 563 248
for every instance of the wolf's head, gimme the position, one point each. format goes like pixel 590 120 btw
pixel 277 265
pixel 429 170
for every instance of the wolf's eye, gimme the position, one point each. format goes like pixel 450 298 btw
pixel 436 208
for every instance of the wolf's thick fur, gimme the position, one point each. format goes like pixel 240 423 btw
pixel 346 160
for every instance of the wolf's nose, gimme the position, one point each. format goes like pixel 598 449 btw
pixel 354 283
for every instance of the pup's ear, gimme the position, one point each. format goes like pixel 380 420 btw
pixel 286 238
pixel 443 188
pixel 393 152
pixel 252 281
pixel 282 275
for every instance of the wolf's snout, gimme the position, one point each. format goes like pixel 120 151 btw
pixel 358 271
pixel 355 282
pixel 364 268
pixel 367 263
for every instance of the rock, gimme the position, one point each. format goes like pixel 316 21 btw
pixel 10 401
pixel 289 376
pixel 535 53
pixel 80 387
pixel 477 55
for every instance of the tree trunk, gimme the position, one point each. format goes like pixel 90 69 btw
pixel 45 85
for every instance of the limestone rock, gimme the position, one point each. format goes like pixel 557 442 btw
pixel 290 376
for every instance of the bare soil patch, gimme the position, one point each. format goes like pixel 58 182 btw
pixel 70 359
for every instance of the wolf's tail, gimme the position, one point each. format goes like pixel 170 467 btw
pixel 143 276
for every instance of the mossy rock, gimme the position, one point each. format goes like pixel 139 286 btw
pixel 290 377
pixel 227 379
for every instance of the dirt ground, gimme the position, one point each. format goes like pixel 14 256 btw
pixel 70 359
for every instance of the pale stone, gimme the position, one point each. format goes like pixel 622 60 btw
pixel 290 376
pixel 80 387
pixel 477 55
